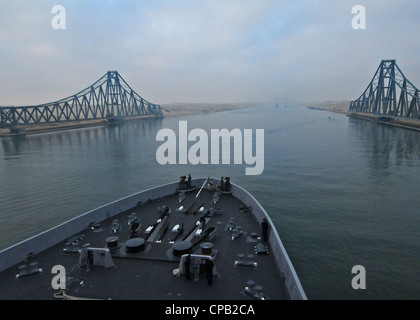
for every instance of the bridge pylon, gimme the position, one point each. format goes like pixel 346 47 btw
pixel 389 93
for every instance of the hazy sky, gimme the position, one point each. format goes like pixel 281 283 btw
pixel 204 51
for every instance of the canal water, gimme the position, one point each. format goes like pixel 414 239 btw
pixel 342 192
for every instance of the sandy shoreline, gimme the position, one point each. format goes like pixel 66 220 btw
pixel 180 109
pixel 333 106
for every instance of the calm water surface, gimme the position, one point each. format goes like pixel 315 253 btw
pixel 341 192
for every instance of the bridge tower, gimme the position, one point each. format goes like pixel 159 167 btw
pixel 389 93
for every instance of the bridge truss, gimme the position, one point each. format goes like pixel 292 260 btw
pixel 107 98
pixel 389 93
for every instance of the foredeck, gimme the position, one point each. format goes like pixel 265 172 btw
pixel 149 274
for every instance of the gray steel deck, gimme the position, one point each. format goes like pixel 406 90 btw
pixel 149 274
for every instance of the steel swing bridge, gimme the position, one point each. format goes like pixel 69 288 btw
pixel 389 93
pixel 108 98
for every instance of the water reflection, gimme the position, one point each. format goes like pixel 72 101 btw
pixel 13 147
pixel 385 145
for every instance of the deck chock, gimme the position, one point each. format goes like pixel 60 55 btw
pixel 132 218
pixel 246 263
pixel 75 238
pixel 252 237
pixel 231 224
pixel 72 244
pixel 115 227
pixel 95 227
pixel 164 210
pixel 71 247
pixel 254 291
pixel 181 196
pixel 216 198
pixel 134 229
pixel 25 271
pixel 237 233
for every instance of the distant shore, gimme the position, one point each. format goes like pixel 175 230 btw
pixel 343 107
pixel 333 106
pixel 180 109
